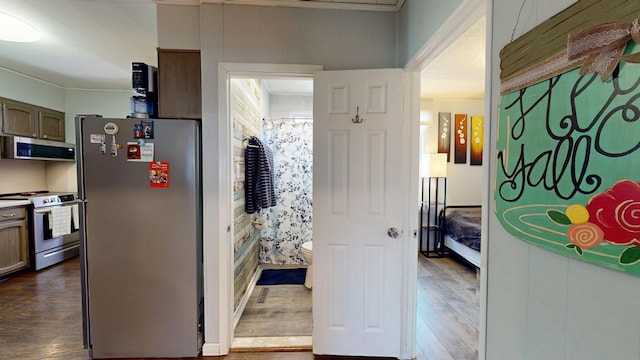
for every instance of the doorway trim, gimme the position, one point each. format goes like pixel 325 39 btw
pixel 459 21
pixel 226 71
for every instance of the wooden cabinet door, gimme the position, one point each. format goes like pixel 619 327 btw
pixel 179 89
pixel 14 240
pixel 51 125
pixel 19 119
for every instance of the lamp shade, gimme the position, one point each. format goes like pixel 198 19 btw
pixel 438 165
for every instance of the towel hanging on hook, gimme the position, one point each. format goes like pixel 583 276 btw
pixel 259 183
pixel 245 142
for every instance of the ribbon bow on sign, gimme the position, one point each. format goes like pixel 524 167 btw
pixel 602 47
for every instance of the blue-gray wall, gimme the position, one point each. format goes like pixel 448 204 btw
pixel 418 21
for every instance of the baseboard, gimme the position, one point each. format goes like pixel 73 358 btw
pixel 211 349
pixel 245 298
pixel 276 343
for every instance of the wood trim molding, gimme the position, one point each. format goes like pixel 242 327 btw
pixel 550 37
pixel 460 21
pixel 293 3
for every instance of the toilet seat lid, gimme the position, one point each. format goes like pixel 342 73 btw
pixel 308 246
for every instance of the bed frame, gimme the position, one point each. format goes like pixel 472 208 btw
pixel 468 254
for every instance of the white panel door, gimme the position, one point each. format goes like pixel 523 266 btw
pixel 359 200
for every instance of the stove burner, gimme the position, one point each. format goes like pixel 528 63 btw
pixel 33 193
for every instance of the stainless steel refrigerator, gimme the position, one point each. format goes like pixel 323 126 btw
pixel 139 183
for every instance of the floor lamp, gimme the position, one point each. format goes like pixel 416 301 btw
pixel 435 182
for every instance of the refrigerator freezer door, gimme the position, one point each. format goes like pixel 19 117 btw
pixel 143 243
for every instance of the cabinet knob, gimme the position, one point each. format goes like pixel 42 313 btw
pixel 44 136
pixel 34 134
pixel 8 215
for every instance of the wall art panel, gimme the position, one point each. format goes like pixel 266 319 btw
pixel 477 139
pixel 444 133
pixel 460 136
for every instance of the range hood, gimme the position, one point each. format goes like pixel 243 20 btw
pixel 18 147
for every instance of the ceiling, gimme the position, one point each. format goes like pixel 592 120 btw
pixel 85 44
pixel 458 72
pixel 90 44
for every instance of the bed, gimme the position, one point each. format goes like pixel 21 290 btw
pixel 462 231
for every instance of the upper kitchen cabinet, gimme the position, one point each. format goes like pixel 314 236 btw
pixel 51 124
pixel 179 84
pixel 21 119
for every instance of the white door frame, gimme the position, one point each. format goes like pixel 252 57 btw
pixel 225 261
pixel 464 16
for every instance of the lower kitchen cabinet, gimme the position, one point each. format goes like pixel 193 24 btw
pixel 14 240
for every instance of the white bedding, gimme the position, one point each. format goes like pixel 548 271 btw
pixel 465 252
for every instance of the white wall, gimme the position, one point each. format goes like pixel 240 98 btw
pixel 108 103
pixel 542 305
pixel 21 176
pixel 289 105
pixel 30 90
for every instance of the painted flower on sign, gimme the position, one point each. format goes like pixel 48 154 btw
pixel 577 214
pixel 617 212
pixel 585 235
pixel 612 216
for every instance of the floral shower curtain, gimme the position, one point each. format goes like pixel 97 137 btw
pixel 289 223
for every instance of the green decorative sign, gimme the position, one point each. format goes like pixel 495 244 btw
pixel 568 164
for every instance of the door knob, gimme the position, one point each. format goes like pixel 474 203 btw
pixel 393 232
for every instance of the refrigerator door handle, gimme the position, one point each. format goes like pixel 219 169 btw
pixel 82 215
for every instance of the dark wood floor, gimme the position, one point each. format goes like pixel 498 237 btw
pixel 40 315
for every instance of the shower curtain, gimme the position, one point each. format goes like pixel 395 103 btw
pixel 289 223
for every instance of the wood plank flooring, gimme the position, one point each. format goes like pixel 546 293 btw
pixel 283 310
pixel 448 310
pixel 40 316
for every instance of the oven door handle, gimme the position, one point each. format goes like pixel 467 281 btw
pixel 48 209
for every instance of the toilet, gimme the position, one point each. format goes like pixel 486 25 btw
pixel 308 257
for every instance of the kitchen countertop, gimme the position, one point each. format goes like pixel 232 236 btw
pixel 12 203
